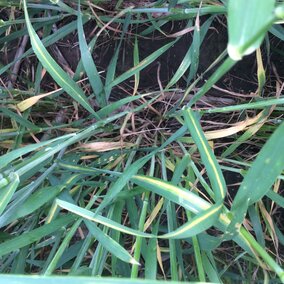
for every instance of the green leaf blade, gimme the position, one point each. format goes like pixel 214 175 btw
pixel 54 69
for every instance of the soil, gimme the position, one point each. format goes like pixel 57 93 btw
pixel 242 78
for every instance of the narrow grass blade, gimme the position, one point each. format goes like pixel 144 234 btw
pixel 179 169
pixel 88 63
pixel 59 252
pixel 260 72
pixel 54 69
pixel 213 169
pixel 269 164
pixel 7 191
pixel 113 63
pixel 277 198
pixel 217 75
pixel 261 118
pixel 198 260
pixel 186 62
pixel 27 103
pixel 136 60
pixel 196 42
pixel 255 105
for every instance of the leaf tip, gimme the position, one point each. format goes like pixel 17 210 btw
pixel 134 262
pixel 234 52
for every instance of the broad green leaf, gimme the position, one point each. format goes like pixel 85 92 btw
pixel 54 69
pixel 248 22
pixel 208 158
pixel 109 244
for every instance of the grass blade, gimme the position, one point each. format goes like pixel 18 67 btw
pixel 269 164
pixel 256 15
pixel 54 69
pixel 88 63
pixel 213 169
pixel 186 199
pixel 7 192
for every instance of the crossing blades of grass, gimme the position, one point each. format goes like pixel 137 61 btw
pixel 142 64
pixel 34 235
pixel 206 214
pixel 109 244
pixel 54 69
pixel 89 215
pixel 13 155
pixel 187 60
